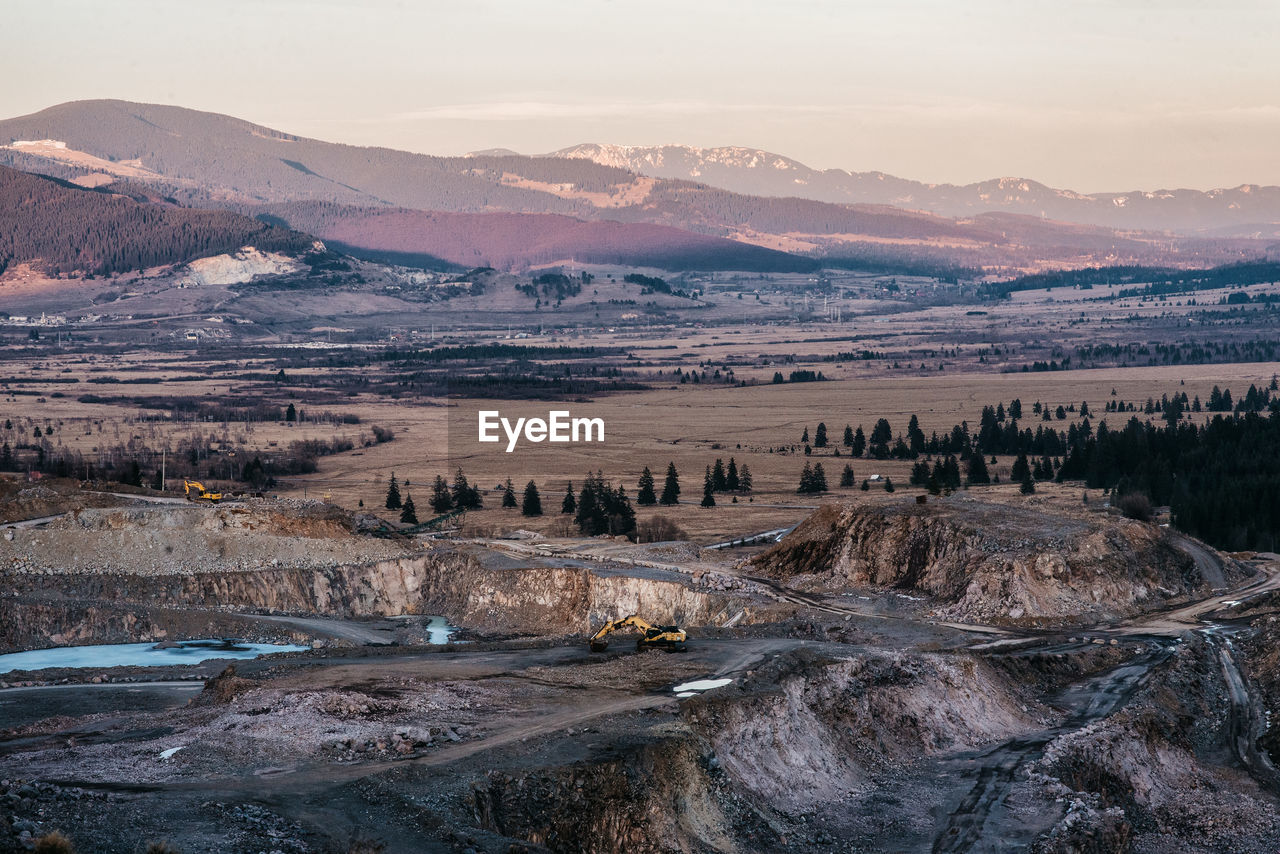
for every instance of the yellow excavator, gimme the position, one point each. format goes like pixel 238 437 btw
pixel 201 494
pixel 670 638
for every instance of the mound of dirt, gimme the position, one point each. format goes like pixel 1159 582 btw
pixel 990 562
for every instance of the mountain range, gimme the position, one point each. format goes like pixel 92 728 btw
pixel 590 205
pixel 1246 210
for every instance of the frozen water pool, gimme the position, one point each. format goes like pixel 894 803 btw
pixel 137 654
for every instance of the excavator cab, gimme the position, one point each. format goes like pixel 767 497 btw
pixel 670 638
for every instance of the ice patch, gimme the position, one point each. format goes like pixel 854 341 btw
pixel 700 685
pixel 168 754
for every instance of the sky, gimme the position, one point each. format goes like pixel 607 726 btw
pixel 1082 94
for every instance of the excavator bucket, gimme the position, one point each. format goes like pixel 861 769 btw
pixel 599 645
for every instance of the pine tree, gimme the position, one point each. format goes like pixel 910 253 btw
pixel 645 495
pixel 532 504
pixel 509 496
pixel 708 490
pixel 859 446
pixel 718 481
pixel 1028 486
pixel 819 479
pixel 888 484
pixel 732 482
pixel 570 504
pixel 465 496
pixel 978 469
pixel 846 477
pixel 820 435
pixel 1021 469
pixel 408 514
pixel 441 499
pixel 804 440
pixel 744 479
pixel 291 414
pixel 393 494
pixel 671 488
pixel 848 436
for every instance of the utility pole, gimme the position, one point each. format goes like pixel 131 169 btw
pixel 163 457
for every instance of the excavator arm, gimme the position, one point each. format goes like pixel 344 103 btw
pixel 651 636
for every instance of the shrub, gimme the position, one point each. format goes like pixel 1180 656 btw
pixel 1135 505
pixel 54 843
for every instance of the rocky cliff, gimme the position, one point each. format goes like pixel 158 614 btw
pixel 991 562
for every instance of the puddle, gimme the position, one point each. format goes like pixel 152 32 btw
pixel 137 654
pixel 438 628
pixel 688 689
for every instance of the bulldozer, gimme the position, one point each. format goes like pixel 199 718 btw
pixel 201 494
pixel 670 638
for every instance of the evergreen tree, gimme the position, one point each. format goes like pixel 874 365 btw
pixel 848 436
pixel 708 490
pixel 804 440
pixel 671 488
pixel 859 446
pixel 465 496
pixel 846 476
pixel 881 436
pixel 408 514
pixel 820 435
pixel 812 480
pixel 978 469
pixel 732 481
pixel 744 479
pixel 1021 469
pixel 888 484
pixel 393 494
pixel 532 504
pixel 645 495
pixel 291 414
pixel 441 498
pixel 1028 485
pixel 570 504
pixel 915 437
pixel 604 510
pixel 718 480
pixel 509 496
pixel 866 485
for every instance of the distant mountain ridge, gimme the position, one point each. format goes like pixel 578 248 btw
pixel 1244 209
pixel 201 159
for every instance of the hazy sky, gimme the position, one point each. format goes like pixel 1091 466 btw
pixel 1084 94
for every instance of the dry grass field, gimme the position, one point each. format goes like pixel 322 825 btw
pixel 691 425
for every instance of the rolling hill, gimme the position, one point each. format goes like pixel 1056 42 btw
pixel 515 241
pixel 59 228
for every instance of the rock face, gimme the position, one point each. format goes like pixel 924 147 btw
pixel 91 607
pixel 812 730
pixel 990 562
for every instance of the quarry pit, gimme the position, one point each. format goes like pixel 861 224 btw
pixel 871 682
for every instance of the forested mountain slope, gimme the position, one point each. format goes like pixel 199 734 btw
pixel 58 227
